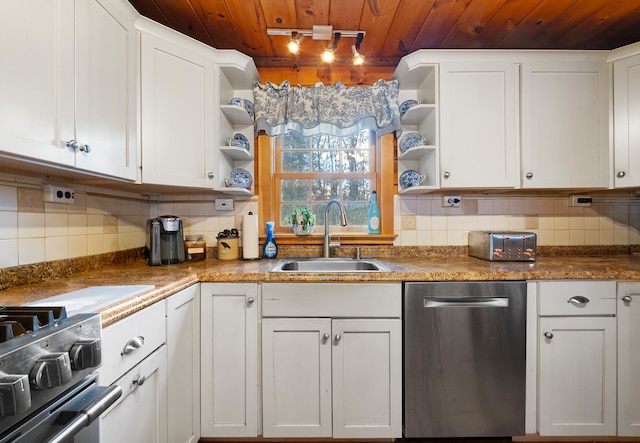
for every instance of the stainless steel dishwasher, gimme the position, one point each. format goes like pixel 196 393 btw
pixel 464 359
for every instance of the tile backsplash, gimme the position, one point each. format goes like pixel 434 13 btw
pixel 102 221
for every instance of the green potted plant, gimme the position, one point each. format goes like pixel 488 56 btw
pixel 302 220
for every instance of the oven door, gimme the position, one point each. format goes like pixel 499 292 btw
pixel 68 415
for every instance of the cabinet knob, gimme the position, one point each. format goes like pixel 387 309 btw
pixel 548 335
pixel 578 300
pixel 626 298
pixel 139 380
pixel 250 300
pixel 73 144
pixel 211 174
pixel 325 337
pixel 132 345
pixel 621 174
pixel 446 174
pixel 338 337
pixel 529 175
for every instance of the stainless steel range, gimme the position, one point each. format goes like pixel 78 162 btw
pixel 48 389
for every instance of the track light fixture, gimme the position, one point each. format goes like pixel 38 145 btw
pixel 358 59
pixel 293 45
pixel 322 32
pixel 328 55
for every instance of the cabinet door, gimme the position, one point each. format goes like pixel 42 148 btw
pixel 565 125
pixel 479 125
pixel 229 343
pixel 577 376
pixel 37 68
pixel 296 377
pixel 183 365
pixel 177 112
pixel 367 378
pixel 140 415
pixel 628 359
pixel 626 102
pixel 106 60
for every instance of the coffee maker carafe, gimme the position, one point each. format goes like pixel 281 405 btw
pixel 165 241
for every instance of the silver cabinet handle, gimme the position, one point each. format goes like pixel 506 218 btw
pixel 139 380
pixel 446 174
pixel 548 335
pixel 211 174
pixel 338 337
pixel 578 300
pixel 132 345
pixel 73 144
pixel 529 175
pixel 250 300
pixel 325 337
pixel 621 174
pixel 626 298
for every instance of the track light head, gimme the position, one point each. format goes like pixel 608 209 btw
pixel 328 54
pixel 358 59
pixel 293 45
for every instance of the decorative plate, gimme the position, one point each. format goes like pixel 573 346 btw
pixel 410 178
pixel 248 106
pixel 240 140
pixel 405 105
pixel 239 178
pixel 410 139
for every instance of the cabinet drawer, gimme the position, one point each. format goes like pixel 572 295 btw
pixel 382 300
pixel 150 324
pixel 562 298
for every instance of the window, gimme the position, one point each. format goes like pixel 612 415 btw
pixel 310 171
pixel 313 170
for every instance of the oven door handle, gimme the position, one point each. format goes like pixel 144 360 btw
pixel 107 395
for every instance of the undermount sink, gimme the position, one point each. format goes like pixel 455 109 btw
pixel 321 264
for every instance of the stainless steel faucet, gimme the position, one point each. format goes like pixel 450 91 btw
pixel 327 236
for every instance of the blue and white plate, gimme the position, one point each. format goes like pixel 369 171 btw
pixel 410 139
pixel 405 105
pixel 411 178
pixel 240 140
pixel 243 103
pixel 239 178
pixel 248 106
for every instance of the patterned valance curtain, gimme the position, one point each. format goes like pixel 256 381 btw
pixel 336 109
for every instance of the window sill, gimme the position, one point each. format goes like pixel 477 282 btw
pixel 345 239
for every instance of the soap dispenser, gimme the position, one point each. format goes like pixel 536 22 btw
pixel 270 248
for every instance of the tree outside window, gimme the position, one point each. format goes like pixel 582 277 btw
pixel 310 171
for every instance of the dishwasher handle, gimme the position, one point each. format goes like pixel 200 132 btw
pixel 466 302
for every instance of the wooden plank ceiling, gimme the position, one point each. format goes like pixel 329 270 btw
pixel 395 28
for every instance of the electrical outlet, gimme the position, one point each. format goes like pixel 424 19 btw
pixel 58 194
pixel 581 200
pixel 224 204
pixel 451 201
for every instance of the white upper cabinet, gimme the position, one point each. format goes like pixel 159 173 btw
pixel 69 76
pixel 479 124
pixel 177 85
pixel 565 122
pixel 626 112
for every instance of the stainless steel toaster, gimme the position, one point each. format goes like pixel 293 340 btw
pixel 503 246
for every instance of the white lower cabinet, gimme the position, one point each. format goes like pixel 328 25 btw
pixel 134 356
pixel 183 365
pixel 577 358
pixel 229 353
pixel 328 376
pixel 628 359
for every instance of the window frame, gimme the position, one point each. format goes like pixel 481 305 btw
pixel 386 171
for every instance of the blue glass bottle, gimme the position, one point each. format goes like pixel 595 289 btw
pixel 270 248
pixel 373 227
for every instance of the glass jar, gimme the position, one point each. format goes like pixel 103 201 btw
pixel 195 248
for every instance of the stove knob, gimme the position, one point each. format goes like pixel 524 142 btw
pixel 85 354
pixel 51 370
pixel 15 395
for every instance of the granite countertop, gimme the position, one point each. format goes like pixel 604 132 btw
pixel 168 280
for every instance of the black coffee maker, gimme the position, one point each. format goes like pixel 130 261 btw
pixel 165 241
